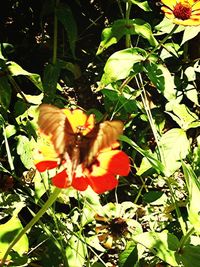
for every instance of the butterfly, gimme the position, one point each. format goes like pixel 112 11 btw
pixel 74 146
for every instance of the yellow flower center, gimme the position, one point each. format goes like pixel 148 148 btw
pixel 182 10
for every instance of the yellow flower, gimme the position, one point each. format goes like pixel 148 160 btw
pixel 183 12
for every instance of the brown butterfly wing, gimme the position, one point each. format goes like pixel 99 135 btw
pixel 102 136
pixel 52 121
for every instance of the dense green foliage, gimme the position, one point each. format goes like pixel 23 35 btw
pixel 119 60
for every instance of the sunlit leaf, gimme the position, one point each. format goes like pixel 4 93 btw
pixel 120 64
pixel 161 77
pixel 163 245
pixel 193 187
pixel 175 146
pixel 183 116
pixel 155 163
pixel 190 33
pixel 129 256
pixel 10 130
pixel 9 231
pixel 16 70
pixel 143 5
pixel 122 27
pixel 76 251
pixel 24 149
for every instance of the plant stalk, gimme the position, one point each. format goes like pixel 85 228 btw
pixel 40 213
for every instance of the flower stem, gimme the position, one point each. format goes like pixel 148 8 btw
pixel 163 41
pixel 47 204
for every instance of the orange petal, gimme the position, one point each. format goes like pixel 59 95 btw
pixel 113 161
pixel 46 165
pixel 103 183
pixel 80 183
pixel 60 180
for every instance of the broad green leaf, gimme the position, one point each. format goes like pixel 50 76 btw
pixel 129 256
pixel 170 50
pixel 16 70
pixel 120 64
pixel 163 245
pixel 143 5
pixel 76 251
pixel 166 26
pixel 193 186
pixel 175 146
pixel 123 27
pixel 10 130
pixel 184 117
pixel 161 78
pixel 5 92
pixel 6 49
pixel 155 198
pixel 192 93
pixel 65 16
pixel 155 163
pixel 9 231
pixel 50 79
pixel 190 74
pixel 121 105
pixel 24 149
pixel 190 33
pixel 189 256
pixel 93 241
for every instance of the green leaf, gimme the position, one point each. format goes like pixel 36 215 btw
pixel 189 256
pixel 155 163
pixel 143 5
pixel 161 77
pixel 50 79
pixel 24 149
pixel 9 231
pixel 129 256
pixel 123 27
pixel 120 64
pixel 16 70
pixel 190 33
pixel 121 105
pixel 174 146
pixel 10 130
pixel 170 50
pixel 98 264
pixel 155 198
pixel 65 16
pixel 166 26
pixel 193 187
pixel 163 245
pixel 76 251
pixel 5 92
pixel 184 117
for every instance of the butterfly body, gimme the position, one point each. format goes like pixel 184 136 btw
pixel 73 146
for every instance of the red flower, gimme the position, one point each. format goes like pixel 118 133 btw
pixel 100 176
